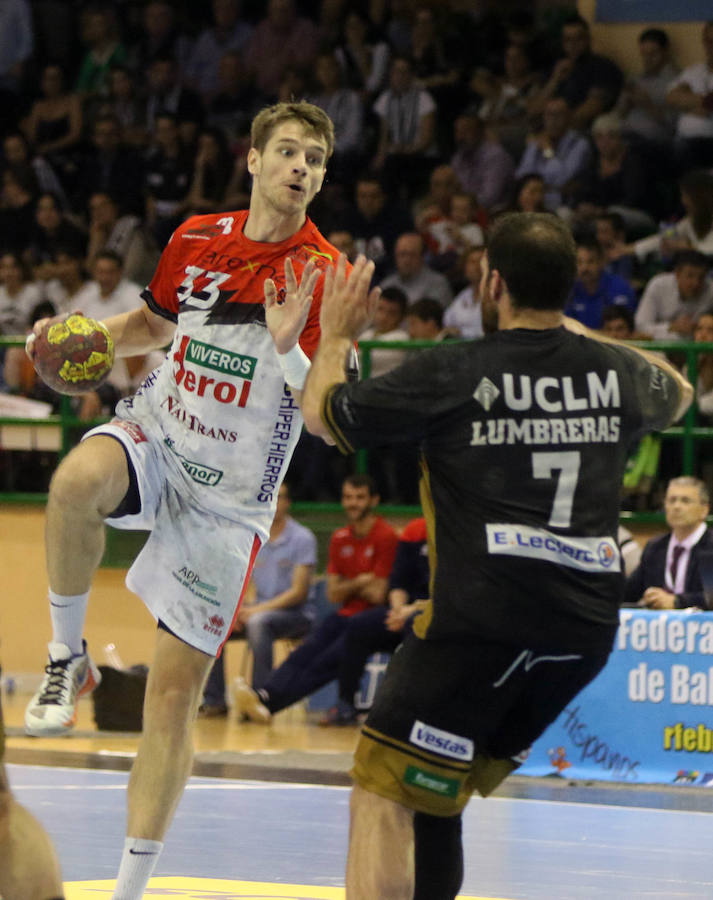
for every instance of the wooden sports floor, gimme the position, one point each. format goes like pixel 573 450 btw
pixel 266 812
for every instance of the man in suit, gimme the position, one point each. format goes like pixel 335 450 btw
pixel 671 572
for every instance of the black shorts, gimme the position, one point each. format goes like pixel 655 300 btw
pixel 451 718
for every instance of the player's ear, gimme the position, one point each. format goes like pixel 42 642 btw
pixel 254 160
pixel 496 285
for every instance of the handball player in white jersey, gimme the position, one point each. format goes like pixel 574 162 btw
pixel 196 457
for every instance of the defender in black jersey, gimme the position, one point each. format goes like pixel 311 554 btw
pixel 524 437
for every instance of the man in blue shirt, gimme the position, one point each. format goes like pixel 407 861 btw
pixel 274 604
pixel 595 288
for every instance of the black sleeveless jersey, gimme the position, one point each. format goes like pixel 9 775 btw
pixel 524 438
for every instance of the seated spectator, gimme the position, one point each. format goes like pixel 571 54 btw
pixel 275 602
pixel 344 107
pixel 618 323
pixel 395 469
pixel 407 132
pixel 615 179
pixel 595 288
pixel 448 239
pixel 464 316
pixel 673 566
pixel 383 628
pixel 413 276
pixel 588 82
pixel 54 124
pixel 558 153
pixel 694 231
pixel 99 33
pixel 17 152
pixel 703 333
pixel 436 204
pixel 344 242
pixel 361 556
pixel 166 93
pixel 281 39
pixel 364 61
pixel 672 301
pixel 18 196
pixel 374 225
pixel 528 194
pixel 111 166
pixel 434 67
pixel 123 234
pixel 481 164
pixel 610 234
pixel 108 294
pixel 691 94
pixel 229 31
pixel 127 104
pixel 424 321
pixel 236 100
pixel 642 103
pixel 212 169
pixel 386 325
pixel 160 36
pixel 505 100
pixel 65 280
pixel 51 229
pixel 19 294
pixel 168 173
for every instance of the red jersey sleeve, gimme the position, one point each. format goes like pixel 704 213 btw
pixel 160 295
pixel 332 563
pixel 385 550
pixel 415 531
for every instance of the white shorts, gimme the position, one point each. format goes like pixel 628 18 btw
pixel 195 566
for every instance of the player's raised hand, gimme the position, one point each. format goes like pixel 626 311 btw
pixel 348 301
pixel 286 317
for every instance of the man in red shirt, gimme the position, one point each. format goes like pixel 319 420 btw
pixel 360 559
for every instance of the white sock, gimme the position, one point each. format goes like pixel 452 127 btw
pixel 137 864
pixel 68 614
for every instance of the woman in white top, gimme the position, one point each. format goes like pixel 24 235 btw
pixel 695 230
pixel 19 295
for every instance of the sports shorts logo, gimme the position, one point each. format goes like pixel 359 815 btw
pixel 428 781
pixel 441 742
pixel 132 429
pixel 199 472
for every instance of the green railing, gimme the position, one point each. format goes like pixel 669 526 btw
pixel 66 423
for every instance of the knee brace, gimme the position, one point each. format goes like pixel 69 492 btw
pixel 438 852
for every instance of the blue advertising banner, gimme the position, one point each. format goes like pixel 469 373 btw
pixel 647 716
pixel 652 11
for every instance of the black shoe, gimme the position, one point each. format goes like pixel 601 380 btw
pixel 212 710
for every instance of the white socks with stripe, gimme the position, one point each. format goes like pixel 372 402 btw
pixel 68 614
pixel 137 864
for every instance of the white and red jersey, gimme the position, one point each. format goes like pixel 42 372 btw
pixel 219 404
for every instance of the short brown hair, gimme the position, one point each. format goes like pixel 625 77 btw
pixel 314 119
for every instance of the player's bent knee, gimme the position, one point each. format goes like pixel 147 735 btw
pixel 438 856
pixel 94 473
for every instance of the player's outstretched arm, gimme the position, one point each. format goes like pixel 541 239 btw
pixel 685 388
pixel 347 307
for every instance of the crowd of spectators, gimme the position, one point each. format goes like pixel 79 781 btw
pixel 122 119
